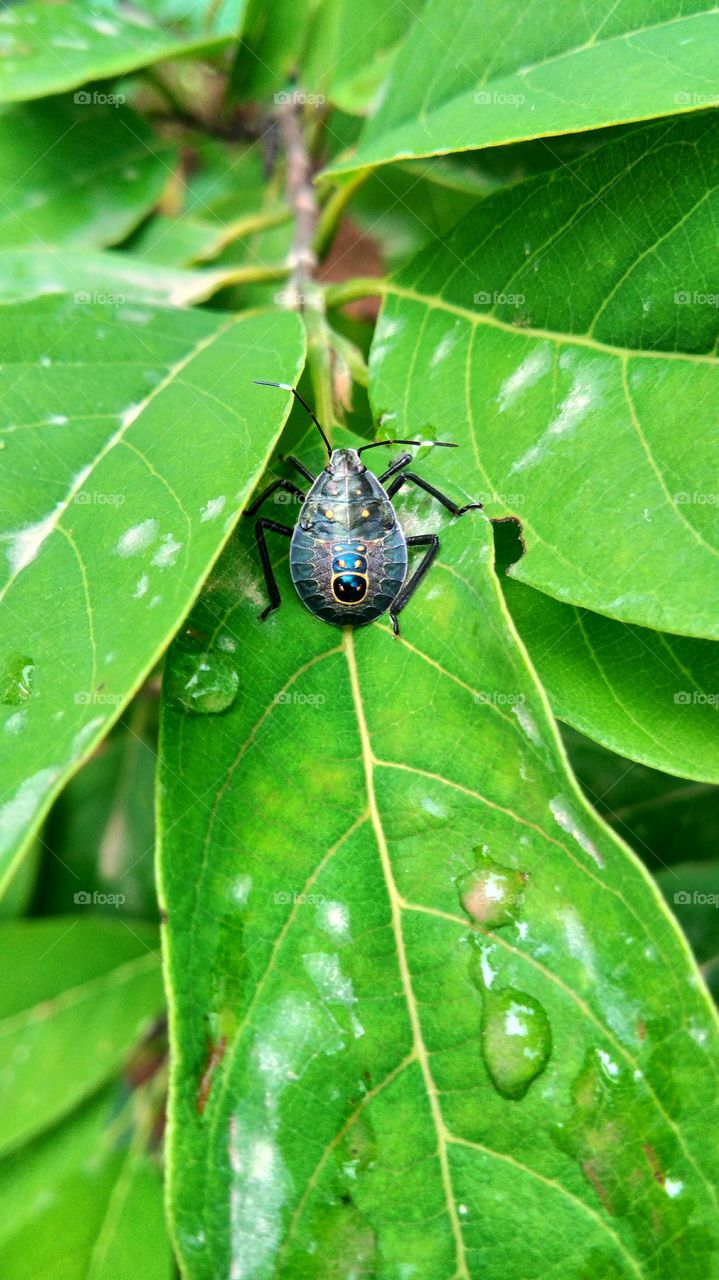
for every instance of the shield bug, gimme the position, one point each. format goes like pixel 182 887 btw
pixel 348 553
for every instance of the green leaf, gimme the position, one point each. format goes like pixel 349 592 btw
pixel 82 992
pixel 156 437
pixel 100 833
pixel 471 77
pixel 643 694
pixel 78 1205
pixel 110 279
pixel 47 48
pixel 223 198
pixel 80 175
pixel 692 891
pixel 569 384
pixel 348 1092
pixel 664 819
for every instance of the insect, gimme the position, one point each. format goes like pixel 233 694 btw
pixel 348 554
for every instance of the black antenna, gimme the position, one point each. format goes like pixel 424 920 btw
pixel 438 444
pixel 285 386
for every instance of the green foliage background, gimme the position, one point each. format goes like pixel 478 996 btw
pixel 334 955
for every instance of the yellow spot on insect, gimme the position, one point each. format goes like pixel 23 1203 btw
pixel 358 492
pixel 358 564
pixel 361 546
pixel 365 511
pixel 329 515
pixel 343 564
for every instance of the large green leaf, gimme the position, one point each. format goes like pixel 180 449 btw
pixel 80 175
pixel 477 75
pixel 562 333
pixel 47 48
pixel 645 694
pixel 132 438
pixel 391 898
pixel 81 993
pixel 78 1205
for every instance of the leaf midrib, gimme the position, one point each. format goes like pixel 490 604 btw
pixel 420 1048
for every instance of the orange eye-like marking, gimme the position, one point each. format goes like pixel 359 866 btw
pixel 365 511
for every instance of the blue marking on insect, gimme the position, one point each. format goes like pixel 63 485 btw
pixel 348 553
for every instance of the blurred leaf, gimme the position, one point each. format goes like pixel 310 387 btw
pixel 111 278
pixel 471 76
pixel 223 197
pixel 100 833
pixel 692 891
pixel 347 1065
pixel 571 387
pixel 80 175
pixel 130 450
pixel 642 693
pixel 85 1161
pixel 665 819
pixel 47 48
pixel 82 992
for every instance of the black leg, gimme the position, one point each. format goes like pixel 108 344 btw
pixel 261 527
pixel 396 466
pixel 431 541
pixel 299 466
pixel 286 485
pixel 435 493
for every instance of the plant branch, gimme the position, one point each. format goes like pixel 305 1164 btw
pixel 302 293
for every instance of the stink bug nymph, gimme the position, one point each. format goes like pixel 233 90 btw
pixel 348 554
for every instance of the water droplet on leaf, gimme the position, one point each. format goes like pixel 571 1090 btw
pixel 492 895
pixel 202 683
pixel 16 678
pixel 516 1040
